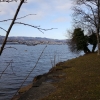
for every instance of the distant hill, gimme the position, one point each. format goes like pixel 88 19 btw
pixel 33 40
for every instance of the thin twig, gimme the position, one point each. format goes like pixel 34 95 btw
pixel 17 18
pixel 37 27
pixel 31 71
pixel 8 0
pixel 12 70
pixel 25 16
pixel 11 1
pixel 6 68
pixel 3 29
pixel 54 60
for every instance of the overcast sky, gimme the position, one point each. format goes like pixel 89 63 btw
pixel 49 14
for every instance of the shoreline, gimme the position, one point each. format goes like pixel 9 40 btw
pixel 42 82
pixel 75 79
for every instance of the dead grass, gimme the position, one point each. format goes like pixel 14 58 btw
pixel 82 80
pixel 25 88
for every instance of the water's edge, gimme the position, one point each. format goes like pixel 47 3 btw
pixel 39 80
pixel 24 59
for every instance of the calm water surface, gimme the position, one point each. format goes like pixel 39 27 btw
pixel 24 59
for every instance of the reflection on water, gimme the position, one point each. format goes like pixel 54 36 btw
pixel 23 60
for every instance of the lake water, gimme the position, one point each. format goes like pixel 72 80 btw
pixel 23 60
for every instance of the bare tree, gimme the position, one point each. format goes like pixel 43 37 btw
pixel 11 25
pixel 13 22
pixel 87 16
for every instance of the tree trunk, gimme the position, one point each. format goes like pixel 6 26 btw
pixel 86 50
pixel 98 43
pixel 93 48
pixel 98 26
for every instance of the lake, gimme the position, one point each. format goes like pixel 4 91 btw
pixel 20 60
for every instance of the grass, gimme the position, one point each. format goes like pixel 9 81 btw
pixel 82 79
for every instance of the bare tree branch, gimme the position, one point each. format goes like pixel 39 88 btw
pixel 92 13
pixel 11 1
pixel 3 29
pixel 17 18
pixel 83 17
pixel 81 12
pixel 25 16
pixel 6 68
pixel 37 27
pixel 12 69
pixel 8 0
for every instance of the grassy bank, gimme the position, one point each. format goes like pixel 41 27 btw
pixel 81 80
